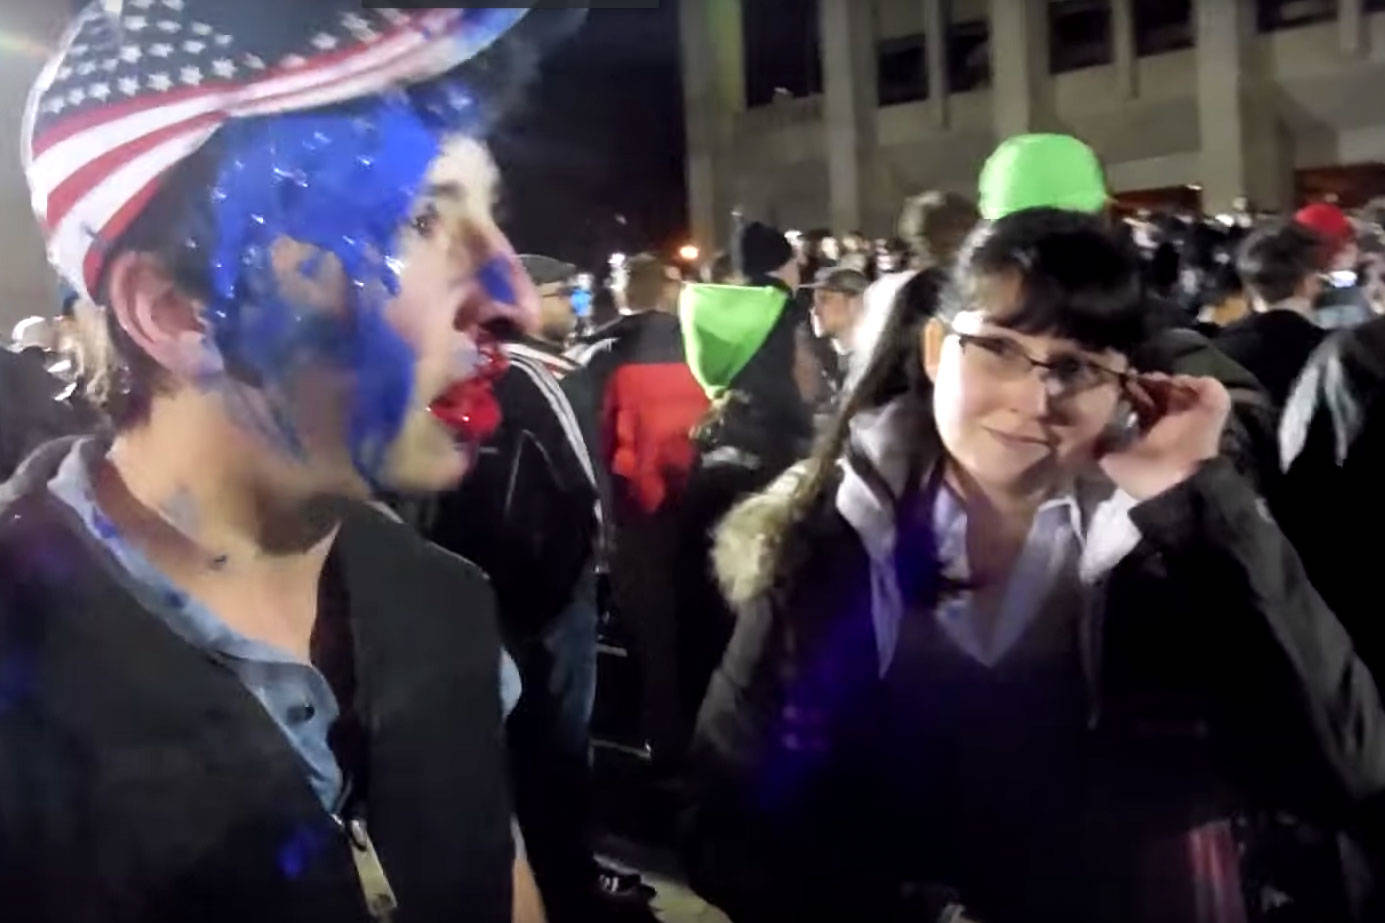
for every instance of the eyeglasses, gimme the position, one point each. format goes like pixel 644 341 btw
pixel 1004 359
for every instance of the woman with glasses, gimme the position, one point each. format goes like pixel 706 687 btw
pixel 1016 642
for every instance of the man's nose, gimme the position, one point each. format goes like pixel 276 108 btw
pixel 509 295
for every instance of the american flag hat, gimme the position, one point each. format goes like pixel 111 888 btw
pixel 138 85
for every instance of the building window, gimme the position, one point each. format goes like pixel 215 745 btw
pixel 1163 25
pixel 781 49
pixel 968 56
pixel 1285 14
pixel 1079 34
pixel 902 69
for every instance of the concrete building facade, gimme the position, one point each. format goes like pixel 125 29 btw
pixel 1252 100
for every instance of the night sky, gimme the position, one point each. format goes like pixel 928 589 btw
pixel 599 135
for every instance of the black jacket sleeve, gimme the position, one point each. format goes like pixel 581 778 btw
pixel 779 825
pixel 1290 674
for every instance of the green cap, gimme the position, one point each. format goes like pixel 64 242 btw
pixel 723 327
pixel 1041 171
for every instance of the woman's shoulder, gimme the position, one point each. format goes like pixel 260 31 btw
pixel 773 538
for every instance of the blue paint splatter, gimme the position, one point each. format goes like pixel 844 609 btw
pixel 495 275
pixel 341 181
pixel 298 851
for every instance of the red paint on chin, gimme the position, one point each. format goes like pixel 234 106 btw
pixel 469 407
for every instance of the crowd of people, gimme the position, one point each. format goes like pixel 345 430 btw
pixel 998 571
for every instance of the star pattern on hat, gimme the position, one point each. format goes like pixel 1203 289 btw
pixel 139 84
pixel 115 61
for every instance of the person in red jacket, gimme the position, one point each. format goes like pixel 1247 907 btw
pixel 640 403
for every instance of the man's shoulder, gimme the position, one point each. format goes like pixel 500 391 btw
pixel 649 337
pixel 532 352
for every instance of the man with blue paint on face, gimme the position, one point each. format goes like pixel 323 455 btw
pixel 230 689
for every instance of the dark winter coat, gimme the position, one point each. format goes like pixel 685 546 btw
pixel 1332 441
pixel 1273 346
pixel 1212 681
pixel 527 512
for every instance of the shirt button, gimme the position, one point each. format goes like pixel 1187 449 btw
pixel 301 713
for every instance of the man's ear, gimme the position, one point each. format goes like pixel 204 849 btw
pixel 157 315
pixel 931 346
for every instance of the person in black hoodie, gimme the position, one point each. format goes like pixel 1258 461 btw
pixel 1279 267
pixel 232 687
pixel 751 350
pixel 926 711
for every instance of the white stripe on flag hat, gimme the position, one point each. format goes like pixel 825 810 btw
pixel 92 169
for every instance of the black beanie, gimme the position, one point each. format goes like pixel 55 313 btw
pixel 760 249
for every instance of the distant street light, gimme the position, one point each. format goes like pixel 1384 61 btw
pixel 688 253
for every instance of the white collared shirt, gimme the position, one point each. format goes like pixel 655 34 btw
pixel 1047 562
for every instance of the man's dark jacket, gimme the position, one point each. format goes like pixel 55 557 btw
pixel 1332 442
pixel 141 781
pixel 526 513
pixel 1273 346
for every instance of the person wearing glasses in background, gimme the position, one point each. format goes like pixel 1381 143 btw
pixel 1016 642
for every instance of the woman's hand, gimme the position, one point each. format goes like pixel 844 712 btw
pixel 1181 421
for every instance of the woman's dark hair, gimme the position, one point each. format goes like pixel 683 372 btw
pixel 895 368
pixel 1076 280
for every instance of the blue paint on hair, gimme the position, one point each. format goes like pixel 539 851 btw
pixel 341 181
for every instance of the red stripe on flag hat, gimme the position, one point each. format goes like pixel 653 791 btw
pixel 138 85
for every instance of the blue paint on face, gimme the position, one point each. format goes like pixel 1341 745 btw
pixel 342 182
pixel 495 277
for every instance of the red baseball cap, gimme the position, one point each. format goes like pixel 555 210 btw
pixel 1328 221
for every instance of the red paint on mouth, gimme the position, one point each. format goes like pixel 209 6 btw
pixel 469 407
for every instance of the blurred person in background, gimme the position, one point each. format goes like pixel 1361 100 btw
pixel 1278 265
pixel 838 304
pixel 556 282
pixel 891 255
pixel 721 270
pixel 813 254
pixel 934 225
pixel 1342 301
pixel 638 402
pixel 36 405
pixel 1208 280
pixel 528 516
pixel 1332 444
pixel 1371 272
pixel 858 253
pixel 764 257
pixel 752 352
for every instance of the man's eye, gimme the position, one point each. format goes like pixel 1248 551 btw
pixel 426 222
